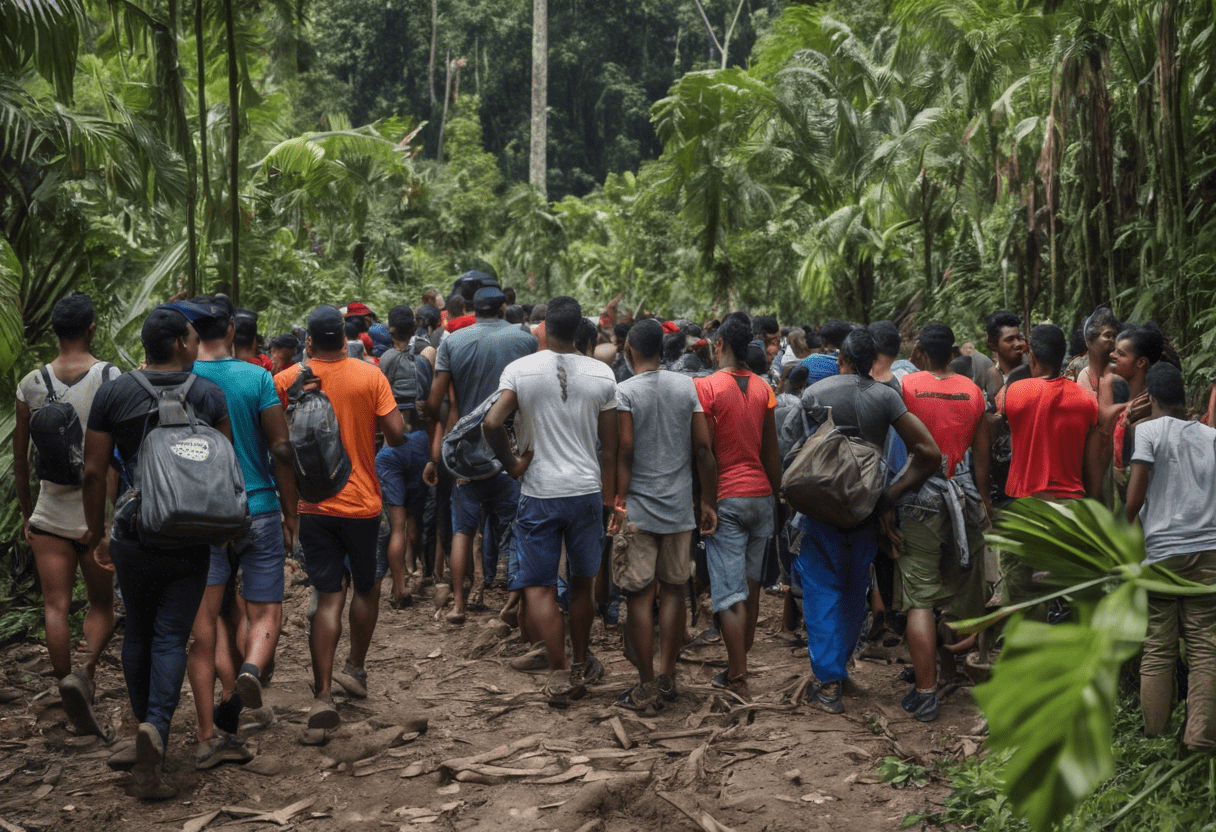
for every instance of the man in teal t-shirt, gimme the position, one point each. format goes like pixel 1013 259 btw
pixel 259 431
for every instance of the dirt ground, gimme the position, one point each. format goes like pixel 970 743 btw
pixel 702 762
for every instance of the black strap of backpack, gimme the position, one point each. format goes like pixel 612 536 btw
pixel 51 395
pixel 172 405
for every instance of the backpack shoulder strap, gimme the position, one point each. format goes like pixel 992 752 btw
pixel 51 395
pixel 296 390
pixel 109 372
pixel 171 403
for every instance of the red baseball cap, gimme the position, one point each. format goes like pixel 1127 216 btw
pixel 357 309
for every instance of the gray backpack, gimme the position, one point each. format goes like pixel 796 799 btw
pixel 191 489
pixel 402 374
pixel 321 463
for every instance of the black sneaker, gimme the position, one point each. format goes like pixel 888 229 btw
pixel 587 672
pixel 643 698
pixel 828 698
pixel 923 706
pixel 667 687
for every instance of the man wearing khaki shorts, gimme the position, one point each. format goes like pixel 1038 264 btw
pixel 661 422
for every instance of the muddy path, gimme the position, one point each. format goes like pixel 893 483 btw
pixel 702 763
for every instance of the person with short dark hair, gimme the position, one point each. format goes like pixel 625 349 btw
pixel 245 342
pixel 1099 333
pixel 1170 493
pixel 663 430
pixel 259 434
pixel 338 536
pixel 161 588
pixel 428 329
pixel 565 402
pixel 1008 345
pixel 400 468
pixel 515 315
pixel 1137 349
pixel 509 292
pixel 833 565
pixel 283 350
pixel 458 315
pixel 55 525
pixel 823 364
pixel 740 407
pixel 468 369
pixel 937 571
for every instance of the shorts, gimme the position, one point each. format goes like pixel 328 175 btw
pixel 77 547
pixel 334 547
pixel 929 574
pixel 260 555
pixel 542 525
pixel 499 495
pixel 638 557
pixel 400 470
pixel 735 552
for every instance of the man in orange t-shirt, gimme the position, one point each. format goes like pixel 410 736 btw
pixel 740 407
pixel 338 536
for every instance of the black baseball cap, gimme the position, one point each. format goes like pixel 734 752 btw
pixel 488 299
pixel 326 322
pixel 215 306
pixel 189 310
pixel 166 321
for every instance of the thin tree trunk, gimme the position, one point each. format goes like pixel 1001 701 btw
pixel 730 31
pixel 447 96
pixel 186 144
pixel 709 28
pixel 476 66
pixel 538 156
pixel 430 67
pixel 201 62
pixel 234 124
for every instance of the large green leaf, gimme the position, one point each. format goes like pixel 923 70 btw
pixel 1051 699
pixel 10 307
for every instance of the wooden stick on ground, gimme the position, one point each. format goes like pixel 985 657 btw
pixel 703 820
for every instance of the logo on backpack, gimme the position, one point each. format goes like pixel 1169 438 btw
pixel 195 450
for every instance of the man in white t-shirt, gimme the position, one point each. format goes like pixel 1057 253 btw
pixel 55 526
pixel 1170 491
pixel 566 403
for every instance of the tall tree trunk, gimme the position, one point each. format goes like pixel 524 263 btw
pixel 1171 154
pixel 430 67
pixel 185 143
pixel 234 147
pixel 201 63
pixel 709 28
pixel 538 157
pixel 730 30
pixel 447 96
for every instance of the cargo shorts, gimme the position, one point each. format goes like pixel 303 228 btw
pixel 639 557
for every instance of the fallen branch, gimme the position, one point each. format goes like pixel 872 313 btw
pixel 493 754
pixel 703 820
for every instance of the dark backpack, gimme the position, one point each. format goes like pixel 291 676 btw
pixel 402 374
pixel 465 451
pixel 190 486
pixel 58 436
pixel 321 463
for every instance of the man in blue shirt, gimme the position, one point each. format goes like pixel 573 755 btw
pixel 259 431
pixel 823 365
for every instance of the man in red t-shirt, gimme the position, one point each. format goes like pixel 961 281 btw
pixel 740 406
pixel 930 572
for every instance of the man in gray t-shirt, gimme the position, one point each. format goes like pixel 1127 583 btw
pixel 1170 491
pixel 859 402
pixel 661 423
pixel 471 361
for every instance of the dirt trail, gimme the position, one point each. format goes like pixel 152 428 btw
pixel 695 759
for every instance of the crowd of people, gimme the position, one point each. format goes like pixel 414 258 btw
pixel 580 463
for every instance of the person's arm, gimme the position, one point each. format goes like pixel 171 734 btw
pixel 21 463
pixel 1137 489
pixel 770 451
pixel 274 428
pixel 707 472
pixel 608 451
pixel 624 468
pixel 924 455
pixel 438 430
pixel 433 403
pixel 98 447
pixel 493 427
pixel 981 461
pixel 1095 462
pixel 392 425
pixel 224 426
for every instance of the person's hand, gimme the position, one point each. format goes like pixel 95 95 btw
pixel 101 554
pixel 989 513
pixel 709 519
pixel 891 530
pixel 25 530
pixel 291 528
pixel 616 521
pixel 1139 410
pixel 520 465
pixel 430 475
pixel 421 410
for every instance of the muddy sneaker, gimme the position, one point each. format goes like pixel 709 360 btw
pixel 923 706
pixel 123 757
pixel 535 659
pixel 353 680
pixel 76 693
pixel 828 698
pixel 323 715
pixel 587 672
pixel 561 687
pixel 667 687
pixel 222 748
pixel 643 698
pixel 147 779
pixel 258 719
pixel 249 686
pixel 737 686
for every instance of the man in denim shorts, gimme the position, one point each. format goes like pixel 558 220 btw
pixel 259 432
pixel 565 402
pixel 740 405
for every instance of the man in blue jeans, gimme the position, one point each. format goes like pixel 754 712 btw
pixel 259 432
pixel 565 401
pixel 161 588
pixel 470 363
